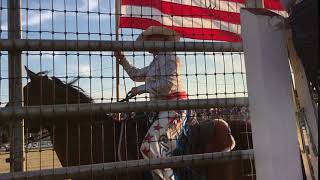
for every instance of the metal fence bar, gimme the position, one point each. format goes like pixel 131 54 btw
pixel 95 45
pixel 143 106
pixel 114 168
pixel 15 88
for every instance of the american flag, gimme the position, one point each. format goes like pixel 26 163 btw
pixel 196 19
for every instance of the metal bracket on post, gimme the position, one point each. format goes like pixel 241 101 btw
pixel 15 88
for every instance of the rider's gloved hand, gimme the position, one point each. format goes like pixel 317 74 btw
pixel 119 56
pixel 138 90
pixel 135 91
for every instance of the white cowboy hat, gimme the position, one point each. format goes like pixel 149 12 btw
pixel 159 30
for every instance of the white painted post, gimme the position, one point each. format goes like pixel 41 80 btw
pixel 276 148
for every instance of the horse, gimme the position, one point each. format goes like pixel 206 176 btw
pixel 80 139
pixel 93 138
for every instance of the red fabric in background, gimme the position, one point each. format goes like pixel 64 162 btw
pixel 273 5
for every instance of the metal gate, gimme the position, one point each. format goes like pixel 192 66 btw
pixel 58 114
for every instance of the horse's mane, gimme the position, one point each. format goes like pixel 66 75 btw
pixel 73 88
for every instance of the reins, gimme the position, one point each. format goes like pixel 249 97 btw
pixel 126 99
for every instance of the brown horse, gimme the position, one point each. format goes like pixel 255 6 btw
pixel 80 139
pixel 93 138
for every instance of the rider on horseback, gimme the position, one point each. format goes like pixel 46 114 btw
pixel 163 82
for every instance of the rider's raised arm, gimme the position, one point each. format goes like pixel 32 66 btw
pixel 136 74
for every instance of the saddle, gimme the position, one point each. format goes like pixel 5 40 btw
pixel 213 135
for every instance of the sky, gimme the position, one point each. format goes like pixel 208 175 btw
pixel 100 22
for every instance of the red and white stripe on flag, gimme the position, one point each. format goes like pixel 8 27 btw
pixel 275 6
pixel 196 19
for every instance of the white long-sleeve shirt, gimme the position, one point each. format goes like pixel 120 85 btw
pixel 161 77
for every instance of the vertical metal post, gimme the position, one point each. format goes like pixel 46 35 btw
pixel 117 10
pixel 15 88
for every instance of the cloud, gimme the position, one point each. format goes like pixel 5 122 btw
pixel 84 70
pixel 35 20
pixel 93 5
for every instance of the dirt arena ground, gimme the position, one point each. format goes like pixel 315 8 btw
pixel 35 160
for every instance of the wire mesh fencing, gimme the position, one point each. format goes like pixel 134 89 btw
pixel 74 126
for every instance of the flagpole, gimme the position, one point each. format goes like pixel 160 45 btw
pixel 117 11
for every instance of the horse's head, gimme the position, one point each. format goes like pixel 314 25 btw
pixel 42 90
